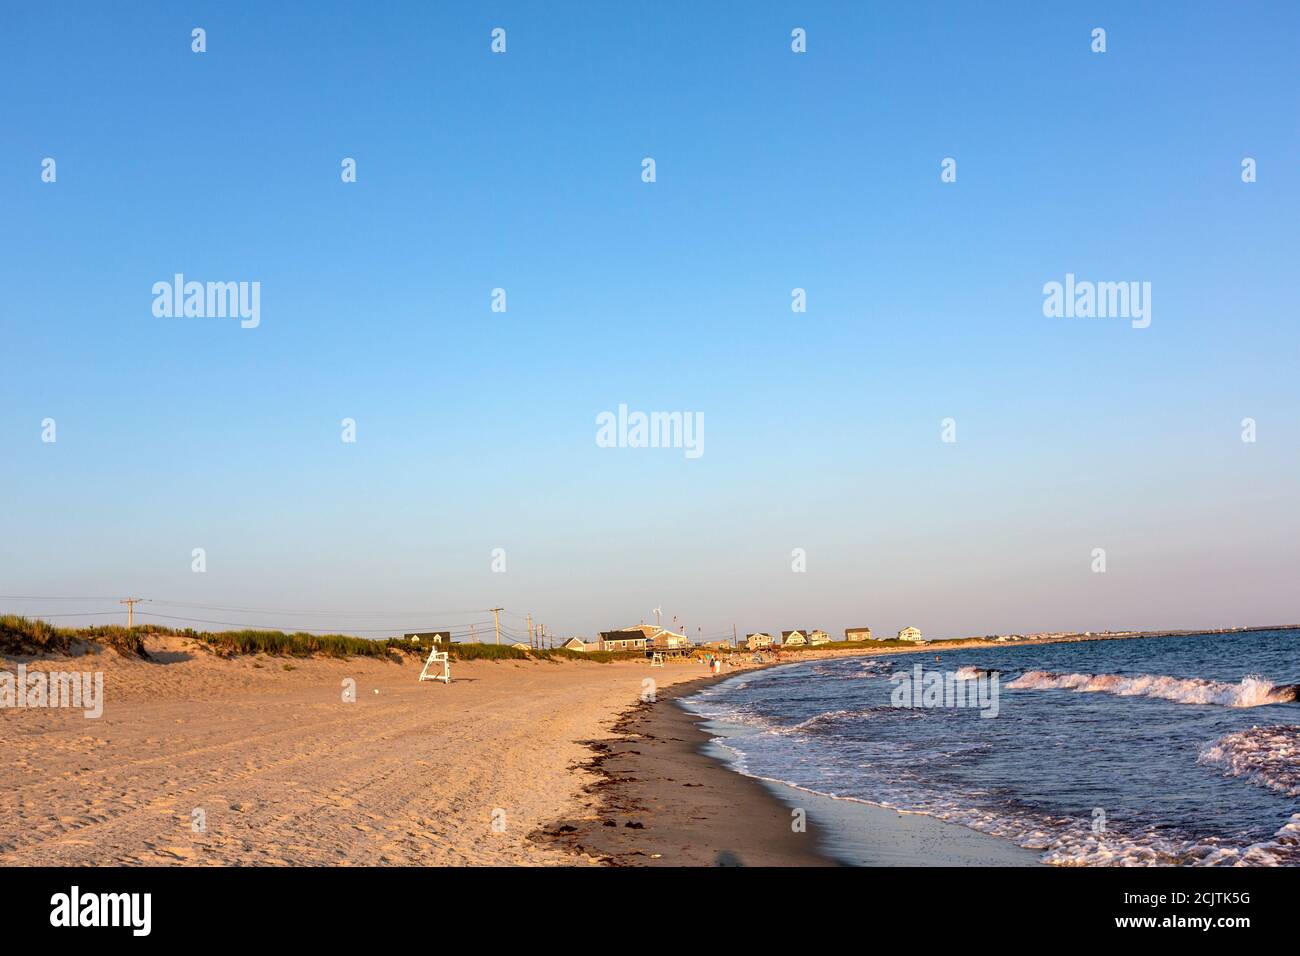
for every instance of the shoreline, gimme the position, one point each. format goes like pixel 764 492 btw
pixel 666 795
pixel 660 800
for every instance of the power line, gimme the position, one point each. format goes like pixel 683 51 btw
pixel 264 610
pixel 80 614
pixel 130 609
pixel 257 610
pixel 32 597
pixel 273 627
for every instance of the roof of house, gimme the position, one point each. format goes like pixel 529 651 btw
pixel 623 634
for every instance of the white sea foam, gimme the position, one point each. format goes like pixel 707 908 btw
pixel 1251 692
pixel 831 717
pixel 1267 756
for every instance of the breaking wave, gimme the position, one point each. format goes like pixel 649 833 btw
pixel 1266 756
pixel 1251 692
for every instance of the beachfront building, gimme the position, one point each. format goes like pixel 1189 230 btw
pixel 664 640
pixel 757 641
pixel 909 634
pixel 818 637
pixel 793 639
pixel 573 644
pixel 624 639
pixel 857 634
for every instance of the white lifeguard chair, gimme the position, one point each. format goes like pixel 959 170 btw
pixel 656 659
pixel 437 657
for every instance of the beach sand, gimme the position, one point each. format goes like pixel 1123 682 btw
pixel 497 768
pixel 284 772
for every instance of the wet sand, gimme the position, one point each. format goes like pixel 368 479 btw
pixel 662 801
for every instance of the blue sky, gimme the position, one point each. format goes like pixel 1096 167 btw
pixel 774 171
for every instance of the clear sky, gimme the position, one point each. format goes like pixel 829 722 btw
pixel 775 170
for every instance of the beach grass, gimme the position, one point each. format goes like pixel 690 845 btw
pixel 21 635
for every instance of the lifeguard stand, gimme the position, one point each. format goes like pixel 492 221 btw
pixel 437 657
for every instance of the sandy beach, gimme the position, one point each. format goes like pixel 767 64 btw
pixel 282 771
pixel 206 760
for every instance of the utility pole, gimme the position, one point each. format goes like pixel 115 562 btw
pixel 734 641
pixel 530 631
pixel 473 638
pixel 658 611
pixel 130 610
pixel 496 614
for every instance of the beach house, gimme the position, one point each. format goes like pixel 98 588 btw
pixel 909 634
pixel 757 641
pixel 624 639
pixel 573 644
pixel 818 637
pixel 793 639
pixel 669 642
pixel 857 633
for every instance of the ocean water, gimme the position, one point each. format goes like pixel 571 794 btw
pixel 1153 751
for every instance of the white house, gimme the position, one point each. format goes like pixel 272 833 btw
pixel 573 644
pixel 793 639
pixel 818 637
pixel 757 641
pixel 909 634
